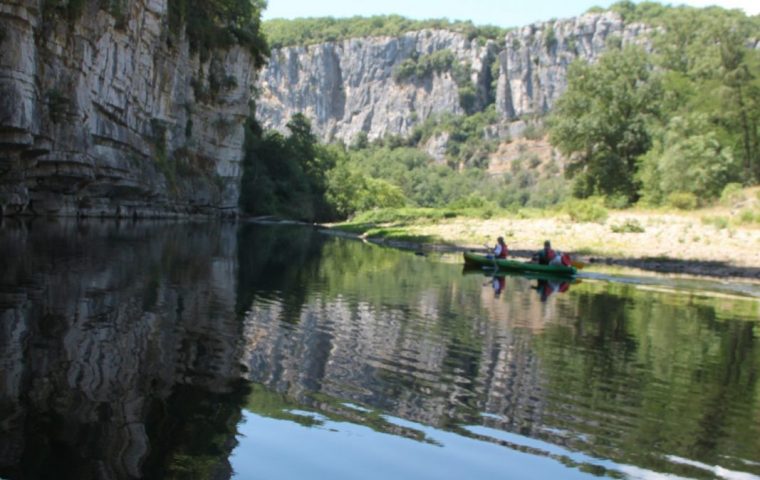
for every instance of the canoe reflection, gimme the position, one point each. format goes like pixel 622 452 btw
pixel 546 285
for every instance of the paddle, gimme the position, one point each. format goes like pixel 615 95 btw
pixel 577 264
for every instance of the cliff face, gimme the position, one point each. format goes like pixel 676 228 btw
pixel 348 87
pixel 113 115
pixel 533 63
pixel 107 115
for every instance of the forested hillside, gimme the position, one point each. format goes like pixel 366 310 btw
pixel 668 119
pixel 677 122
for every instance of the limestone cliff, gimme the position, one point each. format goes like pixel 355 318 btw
pixel 348 86
pixel 534 60
pixel 113 115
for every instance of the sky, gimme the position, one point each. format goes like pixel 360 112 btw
pixel 504 13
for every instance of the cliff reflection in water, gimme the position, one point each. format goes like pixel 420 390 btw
pixel 651 379
pixel 398 334
pixel 127 350
pixel 119 349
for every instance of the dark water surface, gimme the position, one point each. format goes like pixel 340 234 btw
pixel 216 350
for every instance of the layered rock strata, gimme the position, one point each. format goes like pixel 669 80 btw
pixel 115 116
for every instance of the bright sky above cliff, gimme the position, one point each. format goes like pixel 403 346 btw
pixel 505 13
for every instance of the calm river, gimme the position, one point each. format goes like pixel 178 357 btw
pixel 211 351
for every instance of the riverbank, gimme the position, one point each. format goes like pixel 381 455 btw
pixel 705 243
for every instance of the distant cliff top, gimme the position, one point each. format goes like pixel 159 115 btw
pixel 309 31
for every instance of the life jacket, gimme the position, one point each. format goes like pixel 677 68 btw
pixel 504 251
pixel 566 261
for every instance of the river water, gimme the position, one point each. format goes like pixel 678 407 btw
pixel 194 350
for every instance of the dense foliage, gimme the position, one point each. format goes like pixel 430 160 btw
pixel 680 120
pixel 296 177
pixel 221 23
pixel 285 176
pixel 424 65
pixel 208 23
pixel 308 31
pixel 601 121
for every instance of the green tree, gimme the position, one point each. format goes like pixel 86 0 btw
pixel 687 158
pixel 602 122
pixel 710 69
pixel 349 191
pixel 742 95
pixel 286 175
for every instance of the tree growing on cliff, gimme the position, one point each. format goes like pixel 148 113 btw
pixel 220 23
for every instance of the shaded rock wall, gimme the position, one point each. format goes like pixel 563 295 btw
pixel 114 116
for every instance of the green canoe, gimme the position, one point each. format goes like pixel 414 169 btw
pixel 489 272
pixel 515 266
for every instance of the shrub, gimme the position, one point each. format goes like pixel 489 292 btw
pixel 550 38
pixel 629 226
pixel 617 202
pixel 586 210
pixel 425 65
pixel 404 70
pixel 682 200
pixel 533 131
pixel 468 99
pixel 473 200
pixel 718 222
pixel 749 216
pixel 732 194
pixel 403 215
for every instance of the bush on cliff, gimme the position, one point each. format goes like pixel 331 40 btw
pixel 219 24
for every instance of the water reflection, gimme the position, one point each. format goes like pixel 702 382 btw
pixel 115 341
pixel 635 376
pixel 144 350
